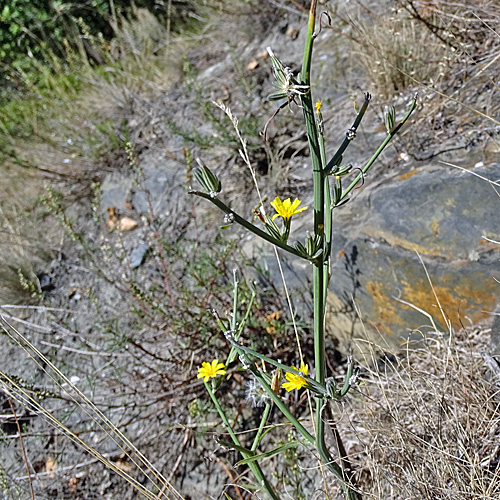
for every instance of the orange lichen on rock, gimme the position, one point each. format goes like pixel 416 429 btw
pixel 403 177
pixel 469 299
pixel 383 304
pixel 435 226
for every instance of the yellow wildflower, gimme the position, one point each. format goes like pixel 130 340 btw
pixel 318 107
pixel 211 370
pixel 295 381
pixel 286 209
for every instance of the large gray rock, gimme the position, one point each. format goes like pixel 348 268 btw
pixel 432 219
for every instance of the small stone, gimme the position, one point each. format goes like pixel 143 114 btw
pixel 46 284
pixel 137 255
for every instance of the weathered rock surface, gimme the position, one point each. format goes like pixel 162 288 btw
pixel 431 224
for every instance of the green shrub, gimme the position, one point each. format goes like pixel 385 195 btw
pixel 39 30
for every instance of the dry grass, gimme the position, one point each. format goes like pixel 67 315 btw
pixel 60 135
pixel 428 421
pixel 447 51
pixel 396 52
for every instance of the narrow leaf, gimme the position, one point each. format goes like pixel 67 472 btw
pixel 267 454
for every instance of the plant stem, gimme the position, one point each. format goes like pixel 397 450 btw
pixel 319 216
pixel 248 225
pixel 320 265
pixel 279 403
pixel 386 141
pixel 351 133
pixel 254 466
pixel 323 451
pixel 263 422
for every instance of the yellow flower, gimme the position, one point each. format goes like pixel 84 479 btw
pixel 211 370
pixel 286 209
pixel 318 107
pixel 296 381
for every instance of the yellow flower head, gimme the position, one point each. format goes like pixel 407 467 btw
pixel 286 209
pixel 211 370
pixel 318 107
pixel 296 381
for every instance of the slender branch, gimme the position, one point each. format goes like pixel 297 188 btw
pixel 254 466
pixel 25 456
pixel 248 225
pixel 351 133
pixel 323 451
pixel 247 351
pixel 386 141
pixel 263 421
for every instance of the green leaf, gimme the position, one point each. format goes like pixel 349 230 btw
pixel 267 454
pixel 5 14
pixel 207 179
pixel 241 449
pixel 272 228
pixel 278 95
pixel 389 118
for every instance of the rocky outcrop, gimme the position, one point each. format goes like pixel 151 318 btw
pixel 416 248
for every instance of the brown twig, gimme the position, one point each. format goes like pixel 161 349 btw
pixel 231 477
pixel 343 455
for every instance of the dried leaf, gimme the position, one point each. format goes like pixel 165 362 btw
pixel 127 224
pixel 252 64
pixel 124 466
pixel 271 330
pixel 73 484
pixel 274 316
pixel 112 218
pixel 50 465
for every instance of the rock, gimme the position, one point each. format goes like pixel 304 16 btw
pixel 400 234
pixel 162 183
pixel 45 280
pixel 137 255
pixel 115 190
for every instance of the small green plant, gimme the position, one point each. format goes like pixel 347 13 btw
pixel 329 194
pixel 32 286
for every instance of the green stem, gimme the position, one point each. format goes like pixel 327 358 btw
pixel 306 62
pixel 263 422
pixel 237 333
pixel 319 216
pixel 240 348
pixel 319 265
pixel 248 225
pixel 337 157
pixel 321 447
pixel 234 321
pixel 372 160
pixel 328 218
pixel 323 451
pixel 279 403
pixel 254 466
